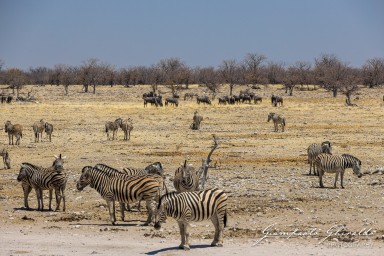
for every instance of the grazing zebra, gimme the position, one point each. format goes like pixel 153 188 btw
pixel 39 178
pixel 197 118
pixel 48 130
pixel 186 178
pixel 126 126
pixel 186 207
pixel 14 130
pixel 173 101
pixel 125 189
pixel 315 149
pixel 38 129
pixel 276 99
pixel 277 120
pixel 336 164
pixel 111 126
pixel 6 159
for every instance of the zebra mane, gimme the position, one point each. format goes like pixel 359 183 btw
pixel 32 165
pixel 166 197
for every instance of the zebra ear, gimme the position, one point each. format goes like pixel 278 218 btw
pixel 63 157
pixel 56 156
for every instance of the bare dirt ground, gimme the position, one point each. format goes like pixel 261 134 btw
pixel 274 206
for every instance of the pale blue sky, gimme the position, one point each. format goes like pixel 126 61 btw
pixel 200 32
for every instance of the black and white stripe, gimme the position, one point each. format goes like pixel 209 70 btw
pixel 314 150
pixel 188 207
pixel 122 188
pixel 277 120
pixel 40 179
pixel 336 164
pixel 186 178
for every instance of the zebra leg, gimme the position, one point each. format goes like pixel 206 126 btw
pixel 342 179
pixel 215 221
pixel 336 177
pixel 321 178
pixel 50 199
pixel 150 209
pixel 39 195
pixel 63 195
pixel 58 199
pixel 183 244
pixel 27 189
pixel 111 209
pixel 122 208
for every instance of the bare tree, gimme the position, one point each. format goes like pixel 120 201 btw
pixel 208 77
pixel 230 73
pixel 275 72
pixel 297 74
pixel 373 72
pixel 203 171
pixel 253 65
pixel 16 79
pixel 93 73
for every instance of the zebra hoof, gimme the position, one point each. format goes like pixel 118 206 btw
pixel 185 247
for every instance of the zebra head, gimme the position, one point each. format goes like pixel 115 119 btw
pixel 23 173
pixel 270 116
pixel 85 178
pixel 8 126
pixel 186 170
pixel 155 168
pixel 58 164
pixel 355 162
pixel 326 147
pixel 162 208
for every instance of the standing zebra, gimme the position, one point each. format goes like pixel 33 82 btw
pixel 14 130
pixel 41 179
pixel 314 150
pixel 186 207
pixel 6 159
pixel 186 178
pixel 48 130
pixel 38 129
pixel 277 120
pixel 124 189
pixel 111 126
pixel 155 168
pixel 126 126
pixel 197 118
pixel 336 164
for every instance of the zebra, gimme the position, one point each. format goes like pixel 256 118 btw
pixel 14 130
pixel 126 126
pixel 189 95
pixel 38 129
pixel 186 178
pixel 48 130
pixel 277 119
pixel 197 118
pixel 276 99
pixel 186 207
pixel 336 164
pixel 39 178
pixel 155 168
pixel 124 188
pixel 173 101
pixel 111 126
pixel 315 149
pixel 6 159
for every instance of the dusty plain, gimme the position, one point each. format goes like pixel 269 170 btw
pixel 274 207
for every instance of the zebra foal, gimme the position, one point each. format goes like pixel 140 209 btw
pixel 48 130
pixel 314 150
pixel 186 207
pixel 277 120
pixel 126 126
pixel 337 164
pixel 38 129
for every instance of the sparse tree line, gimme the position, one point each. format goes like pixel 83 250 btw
pixel 327 71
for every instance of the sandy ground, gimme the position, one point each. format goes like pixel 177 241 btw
pixel 274 206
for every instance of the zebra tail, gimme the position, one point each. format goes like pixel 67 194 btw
pixel 225 218
pixel 284 122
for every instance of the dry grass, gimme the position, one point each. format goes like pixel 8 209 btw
pixel 264 172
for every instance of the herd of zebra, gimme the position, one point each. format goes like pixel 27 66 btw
pixel 16 130
pixel 187 202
